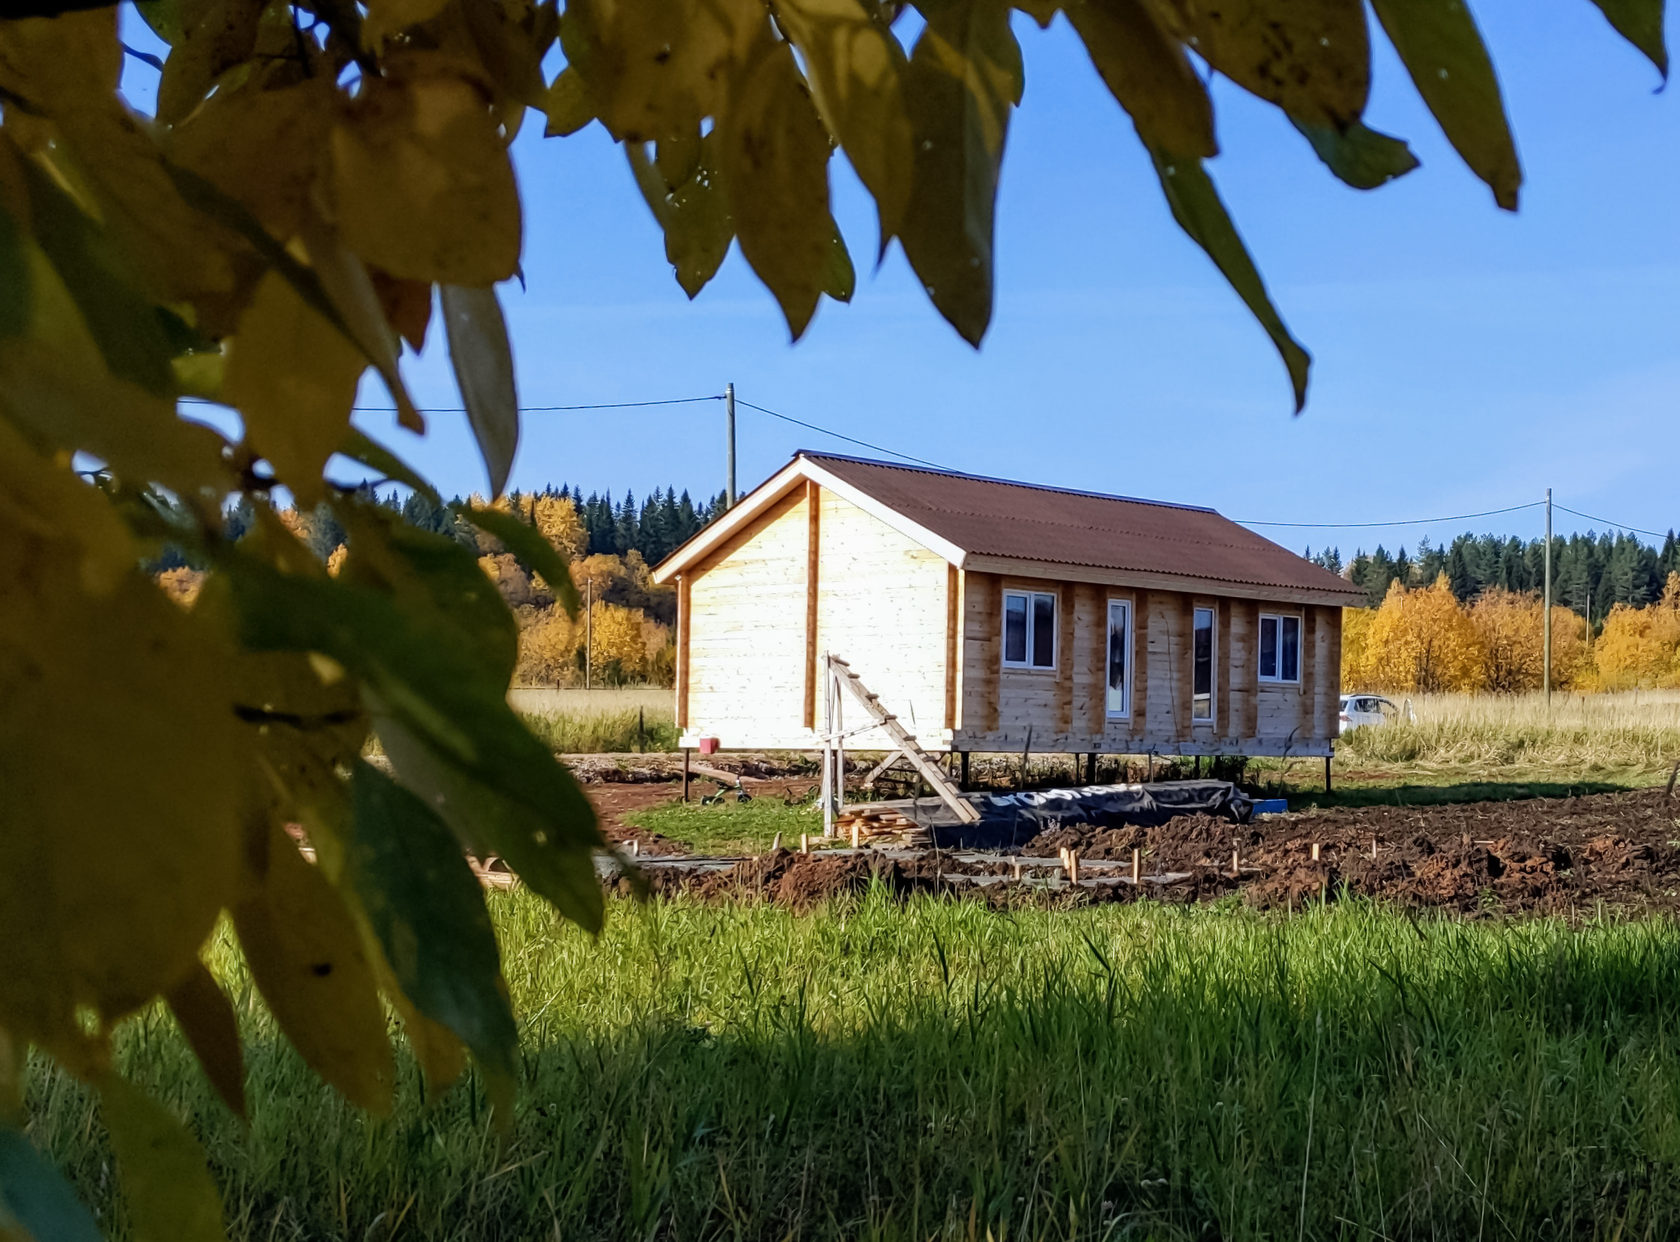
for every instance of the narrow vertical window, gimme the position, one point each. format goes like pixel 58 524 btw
pixel 1029 629
pixel 1044 631
pixel 1268 648
pixel 1290 657
pixel 1201 690
pixel 1119 652
pixel 1014 629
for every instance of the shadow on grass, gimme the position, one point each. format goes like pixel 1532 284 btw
pixel 1162 1075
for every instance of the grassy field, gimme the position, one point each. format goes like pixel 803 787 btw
pixel 936 1070
pixel 611 720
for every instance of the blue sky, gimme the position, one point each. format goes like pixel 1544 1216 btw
pixel 1466 358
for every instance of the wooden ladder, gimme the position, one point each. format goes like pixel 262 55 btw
pixel 907 745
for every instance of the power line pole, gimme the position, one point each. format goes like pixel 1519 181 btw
pixel 729 431
pixel 1546 659
pixel 588 631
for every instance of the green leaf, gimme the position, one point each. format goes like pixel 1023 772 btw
pixel 558 866
pixel 774 151
pixel 1640 22
pixel 1148 74
pixel 36 1203
pixel 418 674
pixel 964 76
pixel 206 1019
pixel 1195 205
pixel 856 70
pixel 361 447
pixel 483 362
pixel 427 910
pixel 1361 157
pixel 305 953
pixel 163 16
pixel 693 215
pixel 14 279
pixel 123 322
pixel 1444 53
pixel 526 543
pixel 161 1166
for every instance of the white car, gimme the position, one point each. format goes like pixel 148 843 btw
pixel 1359 710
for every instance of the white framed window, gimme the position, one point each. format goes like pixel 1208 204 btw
pixel 1029 629
pixel 1119 691
pixel 1280 647
pixel 1201 659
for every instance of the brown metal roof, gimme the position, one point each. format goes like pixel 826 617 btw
pixel 1023 521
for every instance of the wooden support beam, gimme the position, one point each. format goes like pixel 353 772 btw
pixel 685 624
pixel 813 557
pixel 1222 663
pixel 1097 682
pixel 953 641
pixel 1067 661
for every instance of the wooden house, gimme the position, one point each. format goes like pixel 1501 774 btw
pixel 977 609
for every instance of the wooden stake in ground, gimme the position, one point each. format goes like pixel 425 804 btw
pixel 1315 851
pixel 1373 849
pixel 1015 870
pixel 1137 866
pixel 1236 861
pixel 804 843
pixel 1073 866
pixel 856 836
pixel 776 844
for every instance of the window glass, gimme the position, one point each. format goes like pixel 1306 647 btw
pixel 1201 694
pixel 1269 648
pixel 1015 629
pixel 1290 663
pixel 1044 631
pixel 1119 651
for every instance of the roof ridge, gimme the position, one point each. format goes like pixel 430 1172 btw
pixel 811 455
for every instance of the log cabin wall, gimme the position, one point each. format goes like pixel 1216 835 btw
pixel 1065 707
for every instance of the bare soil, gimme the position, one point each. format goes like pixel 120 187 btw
pixel 1549 856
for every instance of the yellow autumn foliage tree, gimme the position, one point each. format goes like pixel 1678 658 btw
pixel 1639 648
pixel 1511 627
pixel 1421 641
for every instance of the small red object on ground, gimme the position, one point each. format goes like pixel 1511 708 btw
pixel 708 746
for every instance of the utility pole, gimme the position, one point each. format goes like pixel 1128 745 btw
pixel 1546 658
pixel 588 630
pixel 729 432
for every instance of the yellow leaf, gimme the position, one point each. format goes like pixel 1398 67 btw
pixel 292 376
pixel 568 105
pixel 387 17
pixel 120 759
pixel 261 147
pixel 215 35
pixel 655 68
pixel 856 70
pixel 1310 57
pixel 1149 74
pixel 207 1021
pixel 774 154
pixel 305 953
pixel 423 186
pixel 164 1179
pixel 964 77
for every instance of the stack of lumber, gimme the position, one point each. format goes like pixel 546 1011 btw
pixel 879 825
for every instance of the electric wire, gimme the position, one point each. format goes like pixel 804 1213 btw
pixel 1637 530
pixel 879 448
pixel 1456 517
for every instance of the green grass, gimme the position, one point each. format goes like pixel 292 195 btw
pixel 938 1070
pixel 612 731
pixel 730 827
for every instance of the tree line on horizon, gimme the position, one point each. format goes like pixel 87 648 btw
pixel 1591 573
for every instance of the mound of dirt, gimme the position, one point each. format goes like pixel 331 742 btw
pixel 1542 855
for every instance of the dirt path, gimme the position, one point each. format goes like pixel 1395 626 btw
pixel 1562 856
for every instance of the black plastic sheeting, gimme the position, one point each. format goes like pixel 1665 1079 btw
pixel 1010 819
